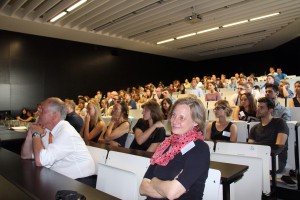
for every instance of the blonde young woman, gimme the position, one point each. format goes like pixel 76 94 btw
pixel 222 129
pixel 93 124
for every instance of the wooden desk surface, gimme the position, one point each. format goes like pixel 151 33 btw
pixel 7 135
pixel 40 182
pixel 229 172
pixel 10 191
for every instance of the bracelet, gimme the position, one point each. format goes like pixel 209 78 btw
pixel 36 134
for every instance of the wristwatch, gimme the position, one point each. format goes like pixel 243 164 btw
pixel 36 134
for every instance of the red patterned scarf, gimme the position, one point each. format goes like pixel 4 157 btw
pixel 176 143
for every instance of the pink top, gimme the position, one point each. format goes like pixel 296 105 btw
pixel 213 96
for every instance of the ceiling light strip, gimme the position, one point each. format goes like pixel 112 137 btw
pixel 265 16
pixel 69 9
pixel 235 23
pixel 208 30
pixel 79 3
pixel 216 28
pixel 185 36
pixel 60 15
pixel 165 41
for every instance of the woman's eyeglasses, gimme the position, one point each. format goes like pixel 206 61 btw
pixel 219 108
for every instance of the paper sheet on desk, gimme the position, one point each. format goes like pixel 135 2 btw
pixel 19 128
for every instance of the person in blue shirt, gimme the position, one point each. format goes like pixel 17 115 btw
pixel 280 75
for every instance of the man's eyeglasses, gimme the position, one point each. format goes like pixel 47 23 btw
pixel 219 108
pixel 240 88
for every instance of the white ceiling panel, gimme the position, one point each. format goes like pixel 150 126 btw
pixel 139 24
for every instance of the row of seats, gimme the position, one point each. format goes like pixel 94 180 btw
pixel 257 157
pixel 247 154
pixel 120 174
pixel 243 130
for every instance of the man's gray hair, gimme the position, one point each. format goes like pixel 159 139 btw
pixel 56 104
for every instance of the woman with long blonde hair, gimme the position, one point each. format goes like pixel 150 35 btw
pixel 93 124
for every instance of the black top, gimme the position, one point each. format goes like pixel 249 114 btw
pixel 296 102
pixel 95 139
pixel 121 140
pixel 194 165
pixel 248 117
pixel 267 135
pixel 157 136
pixel 220 135
pixel 75 120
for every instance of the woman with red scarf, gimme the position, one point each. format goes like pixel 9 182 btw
pixel 179 166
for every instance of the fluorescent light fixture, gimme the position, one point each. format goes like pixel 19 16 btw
pixel 60 15
pixel 235 23
pixel 165 41
pixel 76 5
pixel 185 36
pixel 216 28
pixel 265 16
pixel 207 30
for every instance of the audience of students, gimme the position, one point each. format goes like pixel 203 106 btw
pixel 157 106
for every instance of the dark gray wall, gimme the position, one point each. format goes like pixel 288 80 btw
pixel 34 68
